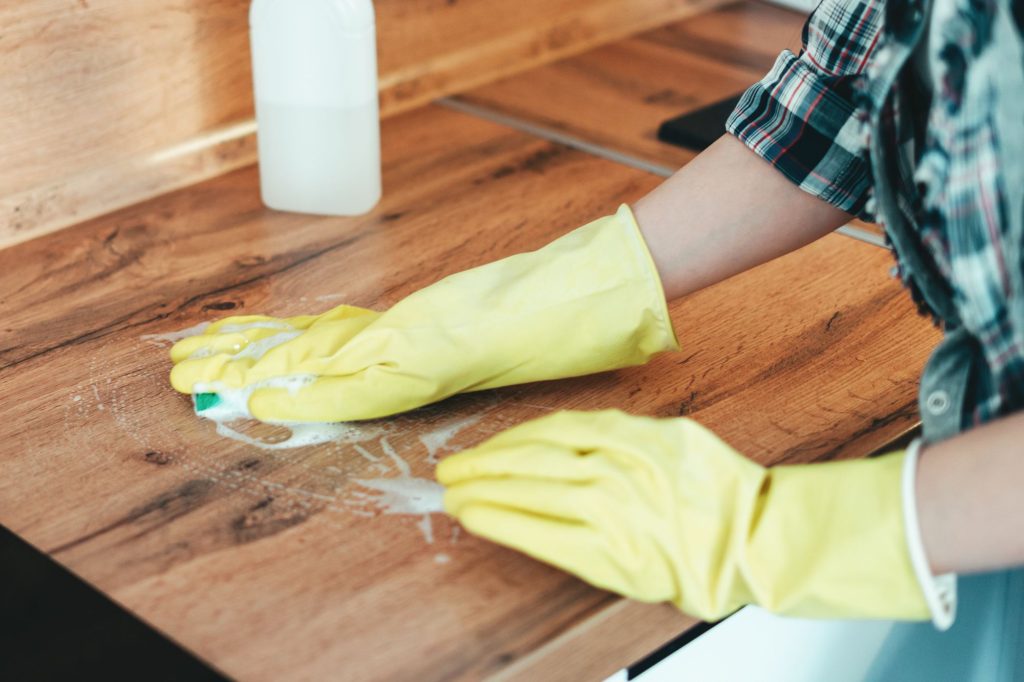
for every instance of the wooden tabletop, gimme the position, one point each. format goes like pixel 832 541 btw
pixel 273 564
pixel 617 95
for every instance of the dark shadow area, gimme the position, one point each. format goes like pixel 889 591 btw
pixel 54 626
pixel 699 128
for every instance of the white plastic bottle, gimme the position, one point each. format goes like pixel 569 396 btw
pixel 314 68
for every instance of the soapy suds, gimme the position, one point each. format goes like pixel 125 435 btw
pixel 195 330
pixel 301 435
pixel 254 349
pixel 441 558
pixel 402 465
pixel 234 402
pixel 439 439
pixel 171 337
pixel 257 349
pixel 233 406
pixel 128 397
pixel 427 526
pixel 372 458
pixel 405 495
pixel 259 324
pixel 395 492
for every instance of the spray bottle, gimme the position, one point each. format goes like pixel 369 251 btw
pixel 314 66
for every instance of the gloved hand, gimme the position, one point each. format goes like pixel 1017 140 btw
pixel 587 302
pixel 662 510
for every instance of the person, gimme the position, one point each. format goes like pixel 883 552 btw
pixel 908 113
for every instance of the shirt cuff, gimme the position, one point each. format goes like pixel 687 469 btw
pixel 939 591
pixel 805 124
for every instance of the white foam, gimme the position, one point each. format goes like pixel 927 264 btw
pixel 438 439
pixel 234 406
pixel 427 526
pixel 405 495
pixel 234 402
pixel 302 435
pixel 403 466
pixel 257 349
pixel 259 324
pixel 171 337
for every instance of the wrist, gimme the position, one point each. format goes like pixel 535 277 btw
pixel 659 301
pixel 939 591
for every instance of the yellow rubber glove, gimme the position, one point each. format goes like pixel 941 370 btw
pixel 662 510
pixel 587 302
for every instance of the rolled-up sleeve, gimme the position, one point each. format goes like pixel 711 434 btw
pixel 802 116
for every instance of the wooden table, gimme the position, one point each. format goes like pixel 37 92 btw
pixel 270 564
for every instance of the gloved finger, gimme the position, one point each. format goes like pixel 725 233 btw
pixel 376 392
pixel 341 312
pixel 570 546
pixel 527 460
pixel 238 323
pixel 217 368
pixel 234 365
pixel 318 350
pixel 229 343
pixel 584 432
pixel 223 335
pixel 278 353
pixel 555 499
pixel 204 345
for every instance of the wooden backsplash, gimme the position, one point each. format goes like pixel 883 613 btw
pixel 104 103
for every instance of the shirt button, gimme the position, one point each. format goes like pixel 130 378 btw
pixel 937 403
pixel 916 13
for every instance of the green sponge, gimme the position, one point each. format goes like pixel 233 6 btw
pixel 205 401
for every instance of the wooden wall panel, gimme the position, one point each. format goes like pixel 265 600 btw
pixel 104 103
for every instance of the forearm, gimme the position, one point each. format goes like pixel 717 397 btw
pixel 725 212
pixel 970 499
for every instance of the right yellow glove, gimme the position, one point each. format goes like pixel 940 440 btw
pixel 663 510
pixel 587 302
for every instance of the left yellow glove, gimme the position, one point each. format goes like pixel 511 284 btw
pixel 662 510
pixel 587 302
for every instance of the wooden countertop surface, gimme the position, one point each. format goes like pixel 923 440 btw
pixel 616 95
pixel 270 564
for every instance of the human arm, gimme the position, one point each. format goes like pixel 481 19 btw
pixel 969 500
pixel 726 212
pixel 673 518
pixel 793 166
pixel 518 319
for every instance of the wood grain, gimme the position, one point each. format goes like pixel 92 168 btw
pixel 107 103
pixel 617 95
pixel 270 564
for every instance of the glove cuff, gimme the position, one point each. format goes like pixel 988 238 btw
pixel 939 591
pixel 660 302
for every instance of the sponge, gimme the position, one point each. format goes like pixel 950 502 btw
pixel 204 401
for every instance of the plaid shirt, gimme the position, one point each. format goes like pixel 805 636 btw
pixel 911 112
